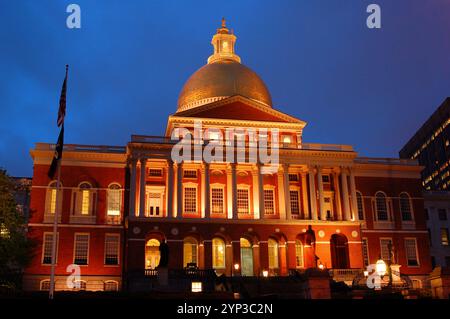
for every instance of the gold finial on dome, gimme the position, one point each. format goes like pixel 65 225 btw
pixel 223 42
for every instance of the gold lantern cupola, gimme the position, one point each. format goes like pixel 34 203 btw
pixel 223 42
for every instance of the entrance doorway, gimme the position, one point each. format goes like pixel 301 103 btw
pixel 246 258
pixel 152 254
pixel 339 252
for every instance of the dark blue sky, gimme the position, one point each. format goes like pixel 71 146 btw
pixel 368 88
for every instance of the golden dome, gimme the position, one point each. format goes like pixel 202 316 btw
pixel 222 77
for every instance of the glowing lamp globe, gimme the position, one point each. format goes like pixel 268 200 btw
pixel 380 267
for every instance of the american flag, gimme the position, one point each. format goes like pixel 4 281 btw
pixel 62 101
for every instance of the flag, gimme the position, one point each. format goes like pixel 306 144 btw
pixel 58 154
pixel 62 101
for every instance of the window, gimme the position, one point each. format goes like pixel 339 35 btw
pixel 269 207
pixel 47 245
pixel 114 199
pixel 242 201
pixel 293 177
pixel 298 254
pixel 112 246
pixel 52 206
pixel 51 203
pixel 81 249
pixel 293 197
pixel 405 207
pixel 190 200
pixel 45 285
pixel 287 139
pixel 365 251
pixel 442 214
pixel 217 200
pixel 155 172
pixel 79 285
pixel 444 236
pixel 411 252
pixel 360 205
pixel 85 198
pixel 190 251
pixel 272 245
pixel 111 286
pixel 384 246
pixel 190 173
pixel 326 179
pixel 218 253
pixel 381 207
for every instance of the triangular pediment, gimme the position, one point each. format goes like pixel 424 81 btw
pixel 238 108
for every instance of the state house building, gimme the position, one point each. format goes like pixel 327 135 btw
pixel 119 203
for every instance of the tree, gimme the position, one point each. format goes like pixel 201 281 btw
pixel 15 247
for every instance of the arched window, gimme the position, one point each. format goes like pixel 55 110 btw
pixel 51 204
pixel 381 206
pixel 272 245
pixel 298 254
pixel 360 203
pixel 218 246
pixel 152 254
pixel 114 200
pixel 190 251
pixel 85 190
pixel 405 207
pixel 79 285
pixel 45 285
pixel 111 285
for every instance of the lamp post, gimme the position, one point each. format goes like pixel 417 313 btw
pixel 380 268
pixel 389 246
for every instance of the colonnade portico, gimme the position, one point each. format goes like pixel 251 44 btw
pixel 311 195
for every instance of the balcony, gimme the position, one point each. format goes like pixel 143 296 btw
pixel 82 148
pixel 83 219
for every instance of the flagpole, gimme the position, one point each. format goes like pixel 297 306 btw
pixel 55 233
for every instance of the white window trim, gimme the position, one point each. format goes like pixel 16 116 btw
pixel 57 248
pixel 296 189
pixel 385 238
pixel 362 202
pixel 417 252
pixel 120 200
pixel 109 282
pixel 88 248
pixel 247 188
pixel 191 185
pixel 155 189
pixel 222 187
pixel 406 222
pixel 118 250
pixel 273 189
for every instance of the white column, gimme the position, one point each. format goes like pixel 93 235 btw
pixel 180 190
pixel 312 193
pixel 133 188
pixel 345 199
pixel 255 193
pixel 170 189
pixel 202 191
pixel 305 196
pixel 142 187
pixel 337 197
pixel 207 191
pixel 353 195
pixel 287 195
pixel 281 193
pixel 229 192
pixel 323 215
pixel 234 190
pixel 260 192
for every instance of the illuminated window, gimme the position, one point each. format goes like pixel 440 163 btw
pixel 444 236
pixel 190 200
pixel 381 206
pixel 298 254
pixel 217 200
pixel 112 246
pixel 190 251
pixel 294 200
pixel 405 207
pixel 81 247
pixel 365 251
pixel 272 245
pixel 360 204
pixel 269 206
pixel 196 286
pixel 114 196
pixel 47 245
pixel 411 252
pixel 51 203
pixel 190 173
pixel 384 247
pixel 242 201
pixel 287 139
pixel 85 190
pixel 218 255
pixel 111 285
pixel 45 285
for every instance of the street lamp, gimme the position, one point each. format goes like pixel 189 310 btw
pixel 380 267
pixel 265 273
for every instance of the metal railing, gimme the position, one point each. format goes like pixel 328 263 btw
pixel 82 148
